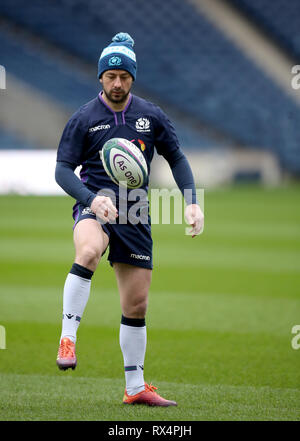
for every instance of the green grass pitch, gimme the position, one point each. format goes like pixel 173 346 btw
pixel 221 310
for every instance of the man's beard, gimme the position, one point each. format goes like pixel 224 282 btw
pixel 121 99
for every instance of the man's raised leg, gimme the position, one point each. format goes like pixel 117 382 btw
pixel 90 242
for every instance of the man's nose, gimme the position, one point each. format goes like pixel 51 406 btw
pixel 117 82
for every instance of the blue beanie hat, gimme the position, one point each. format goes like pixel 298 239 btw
pixel 118 55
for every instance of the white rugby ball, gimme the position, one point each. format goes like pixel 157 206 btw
pixel 124 163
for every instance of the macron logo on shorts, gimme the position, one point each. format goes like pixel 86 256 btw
pixel 139 256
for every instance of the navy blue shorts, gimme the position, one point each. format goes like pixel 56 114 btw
pixel 128 243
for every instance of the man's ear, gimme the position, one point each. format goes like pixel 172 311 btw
pixel 100 79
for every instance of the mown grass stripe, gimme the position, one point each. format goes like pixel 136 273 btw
pixel 42 397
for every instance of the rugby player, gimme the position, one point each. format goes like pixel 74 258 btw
pixel 116 112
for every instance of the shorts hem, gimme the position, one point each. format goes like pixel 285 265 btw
pixel 79 219
pixel 138 264
pixel 88 216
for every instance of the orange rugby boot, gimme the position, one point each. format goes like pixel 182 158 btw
pixel 148 397
pixel 66 357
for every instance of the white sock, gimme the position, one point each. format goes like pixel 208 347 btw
pixel 133 340
pixel 76 295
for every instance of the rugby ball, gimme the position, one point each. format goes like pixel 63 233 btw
pixel 124 163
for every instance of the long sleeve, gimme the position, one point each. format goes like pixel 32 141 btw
pixel 71 184
pixel 183 176
pixel 167 145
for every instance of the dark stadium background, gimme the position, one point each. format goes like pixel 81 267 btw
pixel 222 306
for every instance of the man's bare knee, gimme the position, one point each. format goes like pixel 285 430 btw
pixel 88 256
pixel 134 308
pixel 139 310
pixel 133 283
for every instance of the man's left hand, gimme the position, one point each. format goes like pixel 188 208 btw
pixel 195 218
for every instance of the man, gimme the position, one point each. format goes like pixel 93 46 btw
pixel 115 113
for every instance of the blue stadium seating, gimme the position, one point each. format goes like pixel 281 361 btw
pixel 182 58
pixel 281 19
pixel 46 73
pixel 66 85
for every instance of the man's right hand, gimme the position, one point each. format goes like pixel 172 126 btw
pixel 103 207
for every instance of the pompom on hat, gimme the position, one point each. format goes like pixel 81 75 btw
pixel 118 55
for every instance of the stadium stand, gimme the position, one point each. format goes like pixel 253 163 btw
pixel 281 20
pixel 65 84
pixel 200 72
pixel 45 72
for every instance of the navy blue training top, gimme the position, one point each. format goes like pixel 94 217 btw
pixel 141 122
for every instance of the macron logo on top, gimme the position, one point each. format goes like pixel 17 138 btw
pixel 102 127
